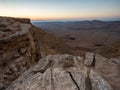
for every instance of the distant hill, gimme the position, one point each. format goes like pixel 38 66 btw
pixel 79 25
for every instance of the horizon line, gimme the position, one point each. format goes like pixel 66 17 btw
pixel 71 19
pixel 68 20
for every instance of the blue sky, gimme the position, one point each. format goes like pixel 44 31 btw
pixel 61 9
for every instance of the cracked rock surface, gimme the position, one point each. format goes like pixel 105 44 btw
pixel 67 72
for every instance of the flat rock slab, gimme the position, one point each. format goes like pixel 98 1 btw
pixel 49 74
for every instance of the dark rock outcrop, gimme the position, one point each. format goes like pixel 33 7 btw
pixel 23 20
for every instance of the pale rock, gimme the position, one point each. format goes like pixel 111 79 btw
pixel 97 82
pixel 49 74
pixel 89 58
pixel 109 70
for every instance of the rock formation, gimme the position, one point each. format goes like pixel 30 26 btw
pixel 67 72
pixel 17 49
pixel 26 48
pixel 22 45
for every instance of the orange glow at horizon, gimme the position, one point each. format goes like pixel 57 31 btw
pixel 48 10
pixel 61 17
pixel 69 17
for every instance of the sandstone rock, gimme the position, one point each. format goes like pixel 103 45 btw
pixel 66 61
pixel 89 59
pixel 109 70
pixel 97 82
pixel 49 74
pixel 41 66
pixel 14 34
pixel 62 61
pixel 78 60
pixel 52 79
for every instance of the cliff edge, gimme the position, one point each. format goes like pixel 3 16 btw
pixel 36 60
pixel 22 45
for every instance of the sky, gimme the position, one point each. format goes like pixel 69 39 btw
pixel 61 9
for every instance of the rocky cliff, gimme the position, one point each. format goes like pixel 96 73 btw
pixel 26 48
pixel 67 72
pixel 22 45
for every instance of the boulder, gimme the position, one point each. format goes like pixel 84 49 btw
pixel 89 59
pixel 109 70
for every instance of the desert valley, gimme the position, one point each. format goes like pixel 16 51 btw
pixel 101 37
pixel 59 44
pixel 32 58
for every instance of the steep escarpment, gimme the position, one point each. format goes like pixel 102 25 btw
pixel 25 58
pixel 67 72
pixel 22 45
pixel 49 44
pixel 17 48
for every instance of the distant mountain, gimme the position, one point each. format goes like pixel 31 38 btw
pixel 79 25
